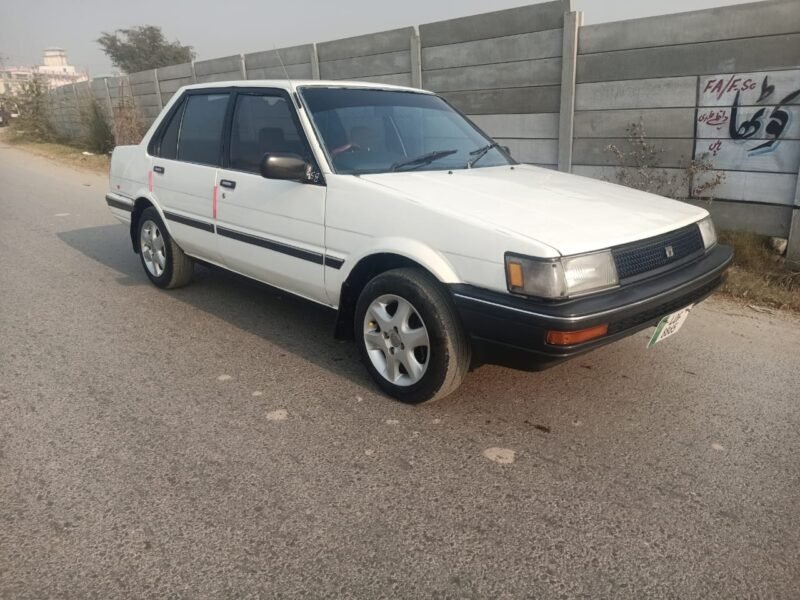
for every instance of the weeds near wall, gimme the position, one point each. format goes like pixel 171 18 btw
pixel 33 123
pixel 98 138
pixel 127 123
pixel 640 169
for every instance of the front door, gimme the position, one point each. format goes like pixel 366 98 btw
pixel 267 229
pixel 184 171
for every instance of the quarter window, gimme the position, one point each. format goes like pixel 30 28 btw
pixel 200 139
pixel 261 125
pixel 168 147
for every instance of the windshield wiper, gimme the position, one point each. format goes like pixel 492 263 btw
pixel 425 159
pixel 480 153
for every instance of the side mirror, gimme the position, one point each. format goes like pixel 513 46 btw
pixel 506 149
pixel 289 167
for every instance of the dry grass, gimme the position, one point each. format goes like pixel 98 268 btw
pixel 97 163
pixel 758 275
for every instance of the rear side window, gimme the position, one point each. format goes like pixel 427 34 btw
pixel 200 139
pixel 263 124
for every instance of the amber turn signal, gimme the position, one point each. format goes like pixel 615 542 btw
pixel 515 277
pixel 570 338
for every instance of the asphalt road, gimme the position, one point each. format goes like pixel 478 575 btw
pixel 216 442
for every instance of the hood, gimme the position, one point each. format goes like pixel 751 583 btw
pixel 569 213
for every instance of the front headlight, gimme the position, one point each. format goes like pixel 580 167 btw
pixel 561 277
pixel 708 232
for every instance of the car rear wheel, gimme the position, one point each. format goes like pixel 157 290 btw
pixel 164 262
pixel 409 336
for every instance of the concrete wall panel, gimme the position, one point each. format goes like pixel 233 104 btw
pixel 749 89
pixel 297 71
pixel 546 71
pixel 732 156
pixel 141 89
pixel 147 100
pixel 538 152
pixel 403 79
pixel 270 58
pixel 723 23
pixel 763 219
pixel 142 77
pixel 545 99
pixel 525 19
pixel 531 126
pixel 365 66
pixel 173 85
pixel 382 42
pixel 730 56
pixel 231 65
pixel 672 152
pixel 673 92
pixel 526 46
pixel 658 122
pixel 768 188
pixel 175 72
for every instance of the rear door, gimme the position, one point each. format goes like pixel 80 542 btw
pixel 184 170
pixel 271 230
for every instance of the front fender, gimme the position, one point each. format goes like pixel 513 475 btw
pixel 408 248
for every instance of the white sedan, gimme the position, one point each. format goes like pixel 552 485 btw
pixel 437 250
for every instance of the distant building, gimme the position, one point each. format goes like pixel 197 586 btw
pixel 55 71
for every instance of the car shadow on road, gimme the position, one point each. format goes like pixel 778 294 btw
pixel 299 326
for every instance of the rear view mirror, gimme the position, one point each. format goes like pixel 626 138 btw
pixel 289 167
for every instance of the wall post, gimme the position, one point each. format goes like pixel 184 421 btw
pixel 158 89
pixel 793 250
pixel 314 62
pixel 75 128
pixel 194 74
pixel 569 61
pixel 416 60
pixel 243 66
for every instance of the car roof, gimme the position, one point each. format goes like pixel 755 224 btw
pixel 295 83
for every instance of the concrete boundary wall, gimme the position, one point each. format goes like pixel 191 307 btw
pixel 383 57
pixel 720 86
pixel 715 85
pixel 504 70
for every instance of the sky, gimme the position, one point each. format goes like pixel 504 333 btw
pixel 239 26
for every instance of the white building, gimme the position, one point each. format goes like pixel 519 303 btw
pixel 55 71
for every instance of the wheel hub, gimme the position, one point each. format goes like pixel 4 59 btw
pixel 396 340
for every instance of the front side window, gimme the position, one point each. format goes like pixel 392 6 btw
pixel 200 138
pixel 263 124
pixel 379 131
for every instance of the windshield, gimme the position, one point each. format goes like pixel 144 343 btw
pixel 380 131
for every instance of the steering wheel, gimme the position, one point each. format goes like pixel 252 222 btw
pixel 351 147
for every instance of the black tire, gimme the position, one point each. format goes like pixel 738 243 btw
pixel 178 268
pixel 448 358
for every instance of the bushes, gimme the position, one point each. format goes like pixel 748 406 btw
pixel 33 123
pixel 99 137
pixel 639 160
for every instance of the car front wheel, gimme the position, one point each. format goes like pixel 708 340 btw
pixel 409 336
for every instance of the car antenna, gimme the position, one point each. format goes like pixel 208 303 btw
pixel 289 79
pixel 285 72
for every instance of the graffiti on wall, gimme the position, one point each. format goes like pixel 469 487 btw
pixel 750 121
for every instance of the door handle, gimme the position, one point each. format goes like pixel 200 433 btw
pixel 158 169
pixel 227 183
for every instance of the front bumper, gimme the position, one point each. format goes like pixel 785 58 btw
pixel 512 330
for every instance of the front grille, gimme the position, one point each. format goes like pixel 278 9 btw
pixel 657 253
